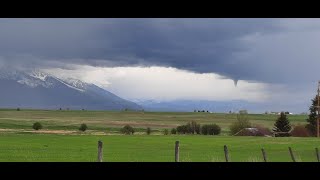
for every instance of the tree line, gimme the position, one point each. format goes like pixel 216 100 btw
pixel 282 126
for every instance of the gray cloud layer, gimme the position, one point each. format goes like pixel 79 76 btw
pixel 266 50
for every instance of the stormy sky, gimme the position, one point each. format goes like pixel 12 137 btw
pixel 278 58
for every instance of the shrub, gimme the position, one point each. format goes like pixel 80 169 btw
pixel 166 132
pixel 241 123
pixel 190 128
pixel 127 129
pixel 193 128
pixel 210 129
pixel 300 131
pixel 204 129
pixel 173 131
pixel 215 129
pixel 148 131
pixel 183 129
pixel 18 109
pixel 83 127
pixel 37 126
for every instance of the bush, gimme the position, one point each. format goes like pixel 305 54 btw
pixel 204 129
pixel 300 131
pixel 83 127
pixel 166 132
pixel 194 127
pixel 214 129
pixel 210 129
pixel 183 129
pixel 148 131
pixel 18 109
pixel 191 128
pixel 173 131
pixel 127 129
pixel 241 123
pixel 37 126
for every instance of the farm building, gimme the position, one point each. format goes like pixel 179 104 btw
pixel 252 132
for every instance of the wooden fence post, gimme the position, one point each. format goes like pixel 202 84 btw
pixel 292 156
pixel 264 155
pixel 226 154
pixel 99 151
pixel 318 155
pixel 176 151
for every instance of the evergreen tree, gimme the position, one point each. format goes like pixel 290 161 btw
pixel 282 124
pixel 312 120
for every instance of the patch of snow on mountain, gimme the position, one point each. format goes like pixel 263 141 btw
pixel 76 83
pixel 38 75
pixel 82 90
pixel 31 82
pixel 28 82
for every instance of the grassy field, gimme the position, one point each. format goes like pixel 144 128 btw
pixel 111 121
pixel 143 148
pixel 60 140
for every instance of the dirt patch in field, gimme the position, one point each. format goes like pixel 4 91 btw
pixel 98 133
pixel 9 130
pixel 39 131
pixel 52 131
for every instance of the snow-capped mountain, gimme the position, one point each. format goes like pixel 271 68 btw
pixel 36 89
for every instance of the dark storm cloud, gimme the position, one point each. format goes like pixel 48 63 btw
pixel 201 45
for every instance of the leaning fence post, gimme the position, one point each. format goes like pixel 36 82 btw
pixel 226 154
pixel 264 155
pixel 99 151
pixel 292 156
pixel 318 155
pixel 176 151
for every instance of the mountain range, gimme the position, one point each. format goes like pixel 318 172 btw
pixel 36 89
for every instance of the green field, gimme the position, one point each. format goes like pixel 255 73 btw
pixel 60 140
pixel 111 121
pixel 143 148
